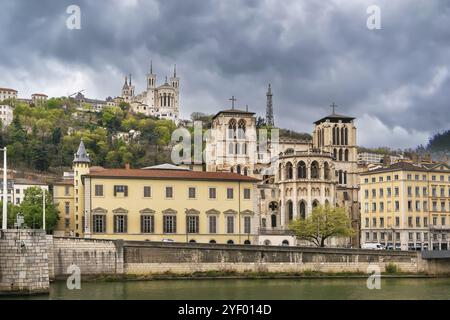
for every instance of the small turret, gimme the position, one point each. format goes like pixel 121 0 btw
pixel 81 156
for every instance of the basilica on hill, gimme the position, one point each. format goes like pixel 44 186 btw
pixel 161 101
pixel 296 175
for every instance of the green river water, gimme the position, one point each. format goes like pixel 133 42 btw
pixel 282 289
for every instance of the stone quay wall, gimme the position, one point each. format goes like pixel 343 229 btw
pixel 93 257
pixel 155 257
pixel 24 267
pixel 29 259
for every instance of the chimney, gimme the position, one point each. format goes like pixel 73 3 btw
pixel 386 160
pixel 127 166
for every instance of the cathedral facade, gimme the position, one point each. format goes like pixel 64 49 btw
pixel 295 175
pixel 161 101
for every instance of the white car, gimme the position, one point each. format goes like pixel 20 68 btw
pixel 372 246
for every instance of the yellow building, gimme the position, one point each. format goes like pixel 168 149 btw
pixel 159 203
pixel 406 206
pixel 63 197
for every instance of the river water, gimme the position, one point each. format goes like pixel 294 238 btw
pixel 282 289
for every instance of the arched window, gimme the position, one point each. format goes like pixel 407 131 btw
pixel 212 241
pixel 290 210
pixel 232 129
pixel 230 242
pixel 273 219
pixel 346 136
pixel 238 148
pixel 335 154
pixel 314 170
pixel 247 242
pixel 315 203
pixel 342 135
pixel 230 148
pixel 289 174
pixel 244 148
pixel 327 203
pixel 238 169
pixel 340 154
pixel 241 129
pixel 345 177
pixel 326 171
pixel 346 155
pixel 267 242
pixel 340 176
pixel 334 135
pixel 245 172
pixel 285 243
pixel 302 209
pixel 319 137
pixel 192 241
pixel 337 135
pixel 301 170
pixel 280 172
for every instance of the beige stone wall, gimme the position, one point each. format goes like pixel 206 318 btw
pixel 23 261
pixel 186 268
pixel 93 257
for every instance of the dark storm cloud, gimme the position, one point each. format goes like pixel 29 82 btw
pixel 394 80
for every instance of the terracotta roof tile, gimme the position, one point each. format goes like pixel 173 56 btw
pixel 64 182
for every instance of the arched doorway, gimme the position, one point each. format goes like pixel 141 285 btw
pixel 230 242
pixel 247 242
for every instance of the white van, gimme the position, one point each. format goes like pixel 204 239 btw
pixel 372 246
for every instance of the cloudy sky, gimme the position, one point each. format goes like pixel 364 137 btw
pixel 395 80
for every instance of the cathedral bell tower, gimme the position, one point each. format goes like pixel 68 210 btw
pixel 151 78
pixel 175 83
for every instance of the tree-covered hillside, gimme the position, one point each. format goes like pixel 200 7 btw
pixel 45 137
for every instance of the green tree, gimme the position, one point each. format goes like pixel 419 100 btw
pixel 31 208
pixel 323 223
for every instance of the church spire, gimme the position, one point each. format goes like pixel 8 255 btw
pixel 130 80
pixel 174 70
pixel 269 109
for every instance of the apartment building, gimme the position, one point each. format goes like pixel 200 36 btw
pixel 406 206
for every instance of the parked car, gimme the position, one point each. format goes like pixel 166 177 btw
pixel 372 246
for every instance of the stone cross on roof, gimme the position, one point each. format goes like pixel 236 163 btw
pixel 232 99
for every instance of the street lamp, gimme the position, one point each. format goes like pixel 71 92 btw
pixel 5 191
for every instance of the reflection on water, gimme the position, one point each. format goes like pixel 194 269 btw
pixel 302 289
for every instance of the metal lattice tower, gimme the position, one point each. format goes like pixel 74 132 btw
pixel 269 110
